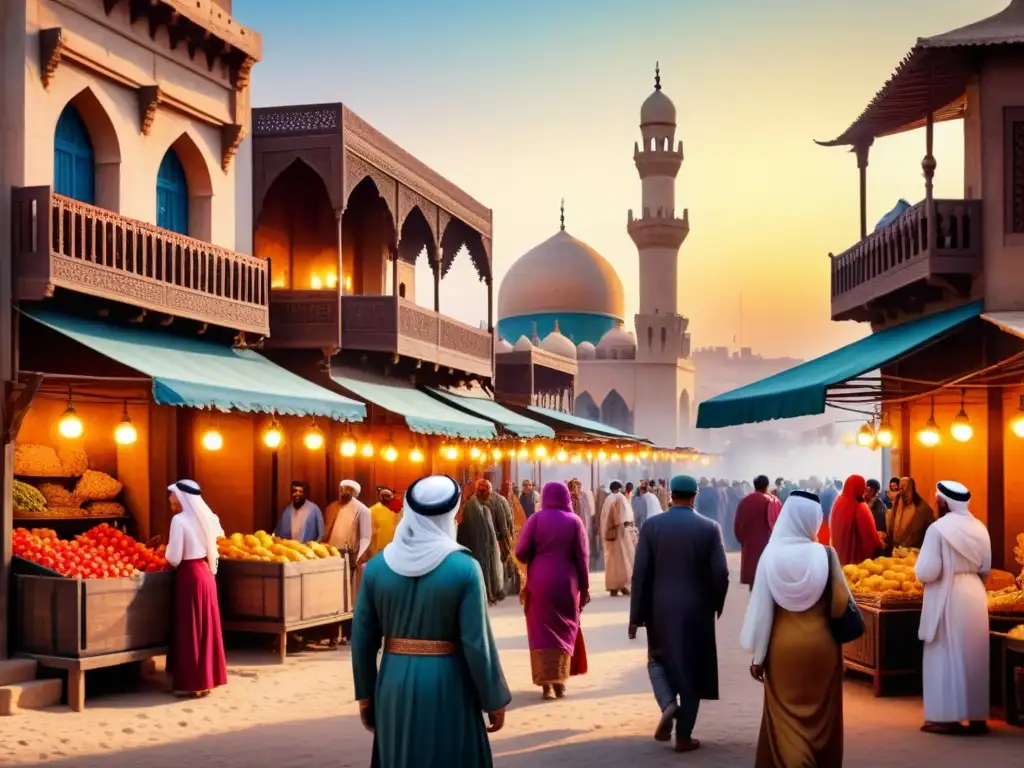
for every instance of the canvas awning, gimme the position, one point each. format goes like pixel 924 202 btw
pixel 801 390
pixel 201 374
pixel 423 414
pixel 1009 322
pixel 568 422
pixel 516 423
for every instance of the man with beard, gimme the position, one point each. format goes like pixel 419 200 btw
pixel 349 529
pixel 486 531
pixel 618 530
pixel 301 520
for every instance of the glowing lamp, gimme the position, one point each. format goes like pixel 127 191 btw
pixel 562 455
pixel 314 439
pixel 961 428
pixel 474 453
pixel 705 460
pixel 348 284
pixel 332 281
pixel 630 458
pixel 390 453
pixel 450 452
pixel 523 453
pixel 496 454
pixel 884 435
pixel 866 436
pixel 273 437
pixel 366 451
pixel 416 456
pixel 575 458
pixel 589 455
pixel 929 436
pixel 601 456
pixel 316 283
pixel 540 451
pixel 616 457
pixel 70 426
pixel 644 455
pixel 212 440
pixel 348 446
pixel 125 432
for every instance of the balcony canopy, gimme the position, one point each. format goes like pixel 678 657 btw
pixel 801 390
pixel 567 422
pixel 516 423
pixel 423 414
pixel 200 374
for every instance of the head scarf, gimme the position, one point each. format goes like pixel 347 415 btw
pixel 792 573
pixel 356 488
pixel 421 543
pixel 199 515
pixel 556 496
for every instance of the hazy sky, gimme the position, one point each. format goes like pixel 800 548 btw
pixel 522 103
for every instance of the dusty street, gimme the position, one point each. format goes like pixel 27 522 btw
pixel 302 713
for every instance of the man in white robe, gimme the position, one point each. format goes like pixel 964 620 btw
pixel 954 562
pixel 349 527
pixel 619 535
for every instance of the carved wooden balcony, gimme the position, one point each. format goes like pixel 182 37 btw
pixel 908 252
pixel 310 320
pixel 62 243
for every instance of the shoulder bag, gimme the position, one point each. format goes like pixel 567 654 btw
pixel 849 626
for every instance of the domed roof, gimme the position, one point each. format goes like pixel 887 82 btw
pixel 502 346
pixel 523 345
pixel 617 338
pixel 557 344
pixel 657 108
pixel 586 282
pixel 586 351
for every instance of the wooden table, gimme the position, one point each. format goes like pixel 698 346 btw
pixel 76 668
pixel 1012 678
pixel 889 649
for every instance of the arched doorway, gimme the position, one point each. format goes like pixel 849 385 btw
pixel 74 171
pixel 172 194
pixel 586 408
pixel 615 412
pixel 367 239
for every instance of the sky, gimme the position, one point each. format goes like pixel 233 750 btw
pixel 524 103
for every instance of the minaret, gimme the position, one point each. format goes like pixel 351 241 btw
pixel 658 233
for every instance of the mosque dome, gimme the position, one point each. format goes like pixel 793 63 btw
pixel 618 343
pixel 565 280
pixel 657 108
pixel 502 347
pixel 523 345
pixel 557 344
pixel 586 351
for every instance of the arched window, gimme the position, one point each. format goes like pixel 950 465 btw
pixel 172 195
pixel 74 173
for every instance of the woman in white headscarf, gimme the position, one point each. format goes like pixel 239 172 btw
pixel 196 658
pixel 799 586
pixel 955 560
pixel 440 667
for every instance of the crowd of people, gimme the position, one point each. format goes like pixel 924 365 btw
pixel 447 553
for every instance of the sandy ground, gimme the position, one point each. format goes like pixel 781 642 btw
pixel 302 712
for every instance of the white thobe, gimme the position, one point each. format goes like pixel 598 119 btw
pixel 955 628
pixel 653 505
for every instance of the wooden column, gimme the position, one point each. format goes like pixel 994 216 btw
pixel 862 166
pixel 490 305
pixel 928 165
pixel 435 265
pixel 996 477
pixel 905 439
pixel 394 270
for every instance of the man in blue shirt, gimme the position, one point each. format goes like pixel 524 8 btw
pixel 301 520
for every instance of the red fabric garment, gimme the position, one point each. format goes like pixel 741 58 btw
pixel 753 528
pixel 578 665
pixel 824 535
pixel 196 659
pixel 854 537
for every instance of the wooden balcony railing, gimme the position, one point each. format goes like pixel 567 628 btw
pixel 62 243
pixel 907 251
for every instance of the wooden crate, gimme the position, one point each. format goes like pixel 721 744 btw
pixel 278 598
pixel 889 648
pixel 79 618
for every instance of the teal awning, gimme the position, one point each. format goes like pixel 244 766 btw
pixel 801 390
pixel 578 423
pixel 201 374
pixel 422 413
pixel 485 408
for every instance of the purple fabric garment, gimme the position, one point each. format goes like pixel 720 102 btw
pixel 553 545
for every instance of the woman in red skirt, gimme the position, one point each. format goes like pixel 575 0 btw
pixel 196 659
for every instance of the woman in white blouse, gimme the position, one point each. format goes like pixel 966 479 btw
pixel 196 659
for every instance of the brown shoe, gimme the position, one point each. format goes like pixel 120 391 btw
pixel 687 745
pixel 668 716
pixel 547 693
pixel 559 690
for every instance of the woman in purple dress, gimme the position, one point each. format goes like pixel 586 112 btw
pixel 553 545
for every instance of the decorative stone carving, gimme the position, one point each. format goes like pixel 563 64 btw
pixel 149 100
pixel 465 340
pixel 1017 177
pixel 417 324
pixel 357 169
pixel 243 74
pixel 231 136
pixel 409 199
pixel 51 50
pixel 293 120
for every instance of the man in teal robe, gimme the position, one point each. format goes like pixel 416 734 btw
pixel 440 669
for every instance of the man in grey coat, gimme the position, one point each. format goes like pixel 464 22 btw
pixel 680 579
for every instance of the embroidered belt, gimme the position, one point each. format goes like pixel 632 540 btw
pixel 406 647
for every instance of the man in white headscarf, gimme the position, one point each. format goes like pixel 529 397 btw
pixel 349 527
pixel 954 562
pixel 426 596
pixel 619 535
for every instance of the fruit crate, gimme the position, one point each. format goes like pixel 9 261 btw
pixel 79 618
pixel 278 598
pixel 889 649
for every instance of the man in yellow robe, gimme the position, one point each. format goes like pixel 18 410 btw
pixel 383 521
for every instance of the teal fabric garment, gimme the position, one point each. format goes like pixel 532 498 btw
pixel 801 390
pixel 201 374
pixel 423 414
pixel 485 408
pixel 429 710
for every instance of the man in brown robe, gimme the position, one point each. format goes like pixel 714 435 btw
pixel 753 527
pixel 909 518
pixel 620 536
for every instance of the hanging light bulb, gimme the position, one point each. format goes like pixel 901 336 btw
pixel 366 451
pixel 416 456
pixel 930 436
pixel 348 446
pixel 125 432
pixel 523 453
pixel 616 457
pixel 645 455
pixel 450 452
pixel 961 428
pixel 602 456
pixel 576 458
pixel 390 453
pixel 884 434
pixel 866 435
pixel 562 455
pixel 540 451
pixel 213 440
pixel 314 439
pixel 589 455
pixel 274 436
pixel 630 457
pixel 70 426
pixel 475 453
pixel 1017 424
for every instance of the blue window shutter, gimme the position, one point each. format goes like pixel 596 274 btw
pixel 74 166
pixel 172 195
